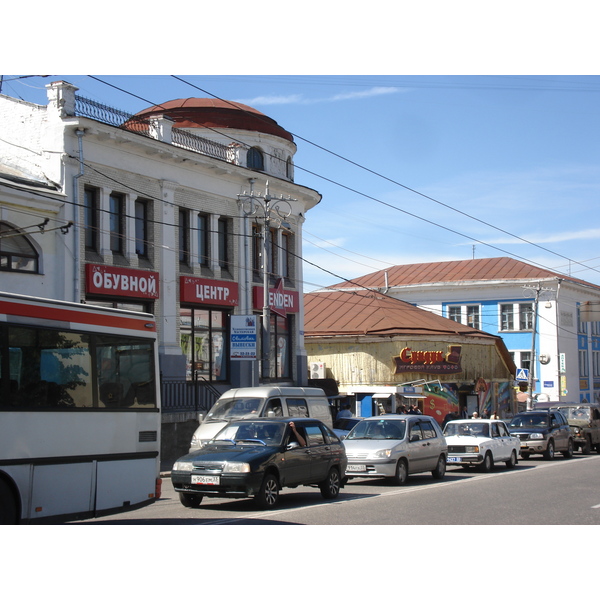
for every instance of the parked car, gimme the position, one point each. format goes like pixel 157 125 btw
pixel 584 420
pixel 395 446
pixel 542 432
pixel 257 458
pixel 266 401
pixel 481 443
pixel 342 427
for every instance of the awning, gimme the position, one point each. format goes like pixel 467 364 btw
pixel 382 395
pixel 414 396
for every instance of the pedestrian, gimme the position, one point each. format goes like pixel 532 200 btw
pixel 345 413
pixel 475 415
pixel 495 415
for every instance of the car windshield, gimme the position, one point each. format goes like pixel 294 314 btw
pixel 470 428
pixel 345 424
pixel 252 432
pixel 379 429
pixel 229 409
pixel 576 412
pixel 529 421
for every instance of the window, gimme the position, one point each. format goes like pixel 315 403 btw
pixel 223 235
pixel 289 169
pixel 583 363
pixel 116 223
pixel 596 363
pixel 297 407
pixel 204 343
pixel 415 433
pixel 428 430
pixel 469 314
pixel 90 219
pixel 141 228
pixel 525 360
pixel 184 236
pixel 203 239
pixel 255 159
pixel 454 313
pixel 280 348
pixel 257 248
pixel 506 317
pixel 314 435
pixel 525 316
pixel 519 313
pixel 273 252
pixel 16 251
pixel 286 245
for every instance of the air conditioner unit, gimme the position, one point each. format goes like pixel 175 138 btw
pixel 317 370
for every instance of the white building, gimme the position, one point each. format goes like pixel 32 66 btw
pixel 542 316
pixel 150 212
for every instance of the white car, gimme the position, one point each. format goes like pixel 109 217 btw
pixel 481 443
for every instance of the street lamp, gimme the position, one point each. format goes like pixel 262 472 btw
pixel 269 209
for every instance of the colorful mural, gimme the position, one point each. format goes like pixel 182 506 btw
pixel 440 402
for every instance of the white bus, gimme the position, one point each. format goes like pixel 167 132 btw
pixel 79 410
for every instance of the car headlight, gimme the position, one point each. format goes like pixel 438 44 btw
pixel 576 430
pixel 385 453
pixel 537 436
pixel 236 467
pixel 197 442
pixel 472 449
pixel 183 466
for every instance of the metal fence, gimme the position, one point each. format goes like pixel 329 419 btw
pixel 184 396
pixel 84 107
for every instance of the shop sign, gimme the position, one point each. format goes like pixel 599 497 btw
pixel 243 340
pixel 214 292
pixel 281 301
pixel 429 361
pixel 117 281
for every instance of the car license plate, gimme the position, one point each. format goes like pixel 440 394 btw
pixel 356 468
pixel 206 479
pixel 454 459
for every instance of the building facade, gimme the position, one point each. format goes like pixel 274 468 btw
pixel 168 212
pixel 385 353
pixel 543 317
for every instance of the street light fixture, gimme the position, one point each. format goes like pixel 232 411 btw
pixel 269 209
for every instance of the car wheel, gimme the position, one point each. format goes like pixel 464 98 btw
pixel 587 446
pixel 268 495
pixel 330 488
pixel 549 453
pixel 440 470
pixel 190 500
pixel 512 462
pixel 401 473
pixel 568 453
pixel 487 464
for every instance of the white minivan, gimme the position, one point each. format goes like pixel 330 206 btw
pixel 268 401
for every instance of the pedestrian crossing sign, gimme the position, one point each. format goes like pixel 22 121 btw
pixel 522 375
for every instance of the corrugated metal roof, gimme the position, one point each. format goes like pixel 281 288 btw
pixel 370 313
pixel 480 269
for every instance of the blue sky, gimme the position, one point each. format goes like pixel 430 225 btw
pixel 416 168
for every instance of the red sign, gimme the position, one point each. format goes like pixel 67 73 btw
pixel 429 361
pixel 194 290
pixel 116 281
pixel 281 301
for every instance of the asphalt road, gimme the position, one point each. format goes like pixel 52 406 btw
pixel 536 492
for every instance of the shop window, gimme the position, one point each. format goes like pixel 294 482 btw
pixel 17 253
pixel 204 342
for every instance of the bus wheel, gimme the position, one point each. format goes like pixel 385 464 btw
pixel 8 505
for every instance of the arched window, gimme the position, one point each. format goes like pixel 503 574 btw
pixel 255 159
pixel 16 251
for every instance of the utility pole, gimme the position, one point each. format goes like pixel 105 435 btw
pixel 537 290
pixel 269 209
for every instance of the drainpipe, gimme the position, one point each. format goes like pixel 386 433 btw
pixel 77 250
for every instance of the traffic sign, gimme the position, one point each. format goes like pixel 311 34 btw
pixel 522 375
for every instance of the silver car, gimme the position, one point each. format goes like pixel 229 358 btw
pixel 395 446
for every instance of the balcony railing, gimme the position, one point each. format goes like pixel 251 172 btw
pixel 84 107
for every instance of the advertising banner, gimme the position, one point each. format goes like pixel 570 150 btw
pixel 243 339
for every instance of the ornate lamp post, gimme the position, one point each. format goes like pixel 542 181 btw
pixel 269 209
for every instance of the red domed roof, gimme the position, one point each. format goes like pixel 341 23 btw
pixel 217 114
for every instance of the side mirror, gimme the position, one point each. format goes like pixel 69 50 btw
pixel 201 417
